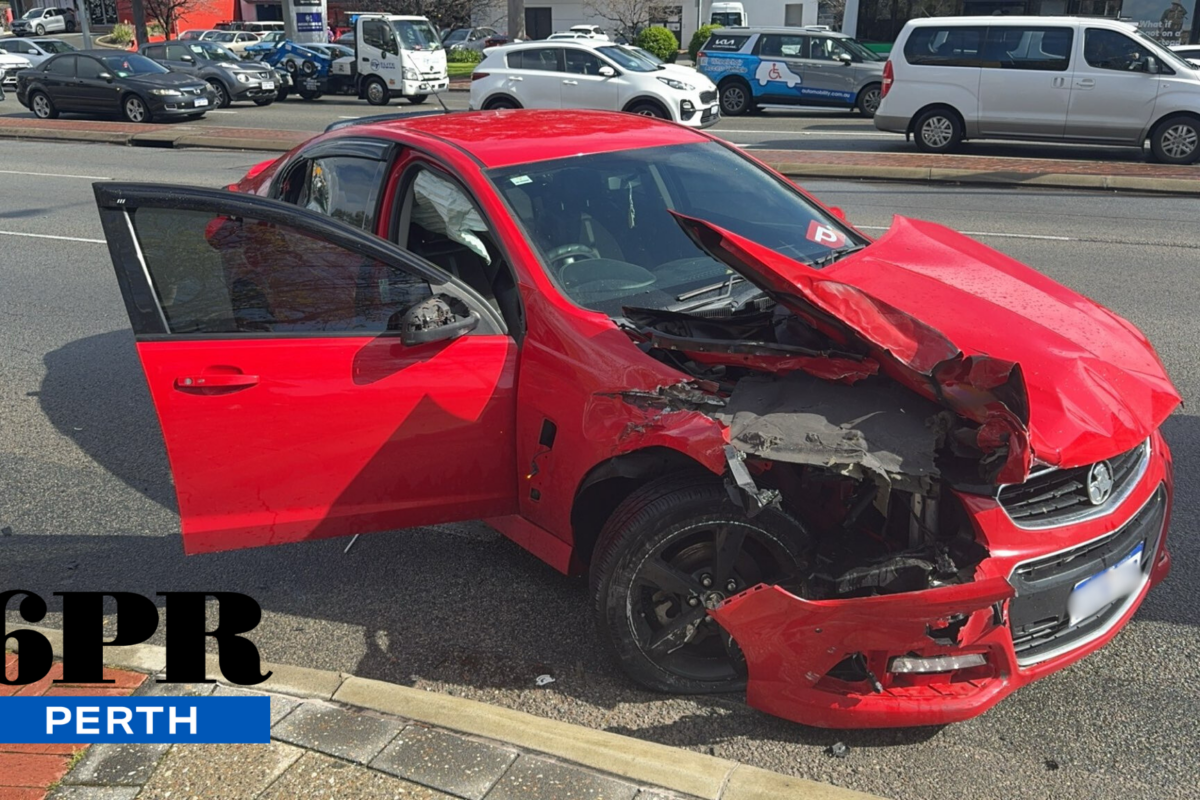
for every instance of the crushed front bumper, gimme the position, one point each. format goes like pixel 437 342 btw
pixel 792 645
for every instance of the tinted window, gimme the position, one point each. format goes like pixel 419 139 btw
pixel 214 274
pixel 376 33
pixel 63 65
pixel 1020 47
pixel 343 188
pixel 780 46
pixel 581 62
pixel 1111 50
pixel 176 52
pixel 19 46
pixel 88 68
pixel 155 51
pixel 603 225
pixel 545 59
pixel 947 47
pixel 827 49
pixel 723 42
pixel 133 64
pixel 54 46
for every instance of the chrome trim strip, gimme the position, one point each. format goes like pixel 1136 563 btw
pixel 1095 512
pixel 137 248
pixel 1074 644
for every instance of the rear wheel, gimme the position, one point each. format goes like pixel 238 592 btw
pixel 135 109
pixel 417 99
pixel 42 106
pixel 377 92
pixel 868 99
pixel 1176 140
pixel 500 103
pixel 649 110
pixel 672 550
pixel 938 130
pixel 735 98
pixel 221 92
pixel 305 94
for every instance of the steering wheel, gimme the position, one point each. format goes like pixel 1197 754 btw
pixel 570 253
pixel 605 276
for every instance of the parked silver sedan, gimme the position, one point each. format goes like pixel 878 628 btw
pixel 34 50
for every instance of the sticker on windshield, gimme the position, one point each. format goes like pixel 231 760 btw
pixel 823 234
pixel 520 180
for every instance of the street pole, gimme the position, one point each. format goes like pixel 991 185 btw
pixel 139 23
pixel 85 24
pixel 1194 37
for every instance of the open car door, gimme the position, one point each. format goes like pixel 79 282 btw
pixel 311 379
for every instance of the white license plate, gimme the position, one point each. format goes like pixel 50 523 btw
pixel 311 84
pixel 1094 593
pixel 268 84
pixel 203 101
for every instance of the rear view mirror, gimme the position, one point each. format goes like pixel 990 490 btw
pixel 432 320
pixel 607 72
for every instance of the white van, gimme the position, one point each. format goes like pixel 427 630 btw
pixel 1063 79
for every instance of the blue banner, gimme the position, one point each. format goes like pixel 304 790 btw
pixel 309 22
pixel 87 720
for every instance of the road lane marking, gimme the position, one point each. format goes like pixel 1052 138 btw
pixel 55 175
pixel 220 111
pixel 48 236
pixel 990 233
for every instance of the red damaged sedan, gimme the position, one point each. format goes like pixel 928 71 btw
pixel 876 483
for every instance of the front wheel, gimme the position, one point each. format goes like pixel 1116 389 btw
pixel 264 101
pixel 307 95
pixel 735 99
pixel 223 99
pixel 938 130
pixel 377 92
pixel 649 110
pixel 41 30
pixel 417 99
pixel 281 95
pixel 868 99
pixel 1176 140
pixel 671 551
pixel 135 109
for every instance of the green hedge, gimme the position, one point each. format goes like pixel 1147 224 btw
pixel 699 38
pixel 463 56
pixel 659 41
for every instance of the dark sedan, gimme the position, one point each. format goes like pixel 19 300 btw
pixel 111 82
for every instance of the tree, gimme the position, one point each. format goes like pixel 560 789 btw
pixel 443 13
pixel 628 17
pixel 167 13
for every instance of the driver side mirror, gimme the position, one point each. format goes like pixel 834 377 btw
pixel 431 320
pixel 607 72
pixel 845 58
pixel 837 212
pixel 187 58
pixel 1150 65
pixel 106 76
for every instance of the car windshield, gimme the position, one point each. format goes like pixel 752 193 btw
pixel 1174 60
pixel 33 13
pixel 416 34
pixel 213 52
pixel 131 64
pixel 456 36
pixel 223 36
pixel 54 46
pixel 627 60
pixel 858 50
pixel 603 225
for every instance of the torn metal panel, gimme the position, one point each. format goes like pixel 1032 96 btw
pixel 874 430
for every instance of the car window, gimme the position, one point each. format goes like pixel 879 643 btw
pixel 132 64
pixel 545 59
pixel 1022 47
pixel 377 33
pixel 176 52
pixel 724 43
pixel 62 65
pixel 215 274
pixel 55 46
pixel 341 187
pixel 14 46
pixel 782 46
pixel 604 228
pixel 456 36
pixel 1105 49
pixel 581 62
pixel 87 68
pixel 629 59
pixel 950 46
pixel 824 48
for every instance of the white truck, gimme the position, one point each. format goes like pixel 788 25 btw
pixel 394 56
pixel 790 13
pixel 729 15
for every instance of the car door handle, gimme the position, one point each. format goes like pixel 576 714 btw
pixel 202 383
pixel 571 83
pixel 364 58
pixel 1085 83
pixel 515 78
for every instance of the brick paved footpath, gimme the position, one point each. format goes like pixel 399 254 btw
pixel 28 771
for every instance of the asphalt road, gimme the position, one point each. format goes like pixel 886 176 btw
pixel 777 128
pixel 86 492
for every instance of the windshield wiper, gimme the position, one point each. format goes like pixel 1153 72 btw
pixel 834 255
pixel 726 284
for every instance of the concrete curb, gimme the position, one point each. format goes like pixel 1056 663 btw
pixel 678 770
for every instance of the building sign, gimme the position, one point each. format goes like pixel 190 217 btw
pixel 309 23
pixel 1169 21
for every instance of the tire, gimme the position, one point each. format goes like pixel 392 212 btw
pixel 290 66
pixel 70 27
pixel 281 95
pixel 376 92
pixel 1176 140
pixel 868 99
pixel 675 523
pixel 40 30
pixel 937 130
pixel 223 98
pixel 42 106
pixel 262 101
pixel 417 99
pixel 307 95
pixel 500 103
pixel 308 68
pixel 649 110
pixel 135 109
pixel 736 98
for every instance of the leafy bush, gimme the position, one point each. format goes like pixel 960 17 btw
pixel 122 33
pixel 462 55
pixel 659 41
pixel 699 38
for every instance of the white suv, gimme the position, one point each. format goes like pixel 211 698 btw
pixel 591 74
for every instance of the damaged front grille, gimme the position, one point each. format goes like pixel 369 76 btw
pixel 1060 496
pixel 1038 615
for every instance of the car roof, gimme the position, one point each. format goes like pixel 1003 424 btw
pixel 506 138
pixel 582 41
pixel 748 30
pixel 1019 20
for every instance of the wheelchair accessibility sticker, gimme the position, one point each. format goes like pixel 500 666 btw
pixel 776 72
